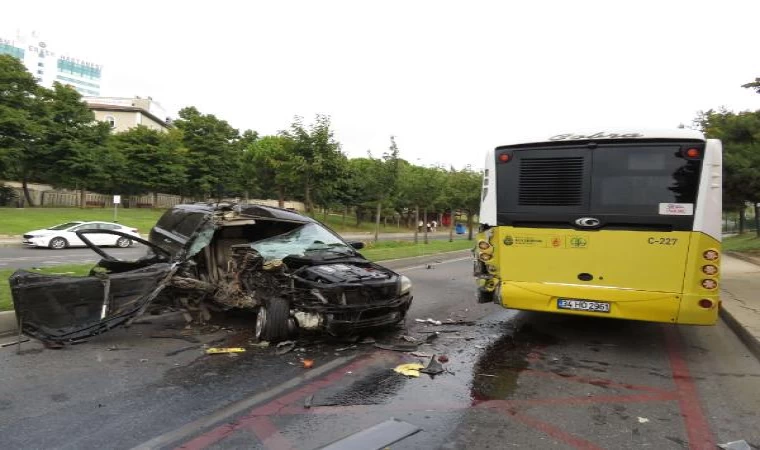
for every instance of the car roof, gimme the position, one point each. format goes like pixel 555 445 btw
pixel 263 211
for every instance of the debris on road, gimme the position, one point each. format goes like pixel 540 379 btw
pixel 431 338
pixel 443 358
pixel 345 348
pixel 381 435
pixel 421 354
pixel 8 344
pixel 115 347
pixel 397 347
pixel 223 350
pixel 285 347
pixel 409 369
pixel 308 401
pixel 408 338
pixel 486 375
pixel 433 367
pixel 643 420
pixel 183 349
pixel 307 363
pixel 174 335
pixel 430 321
pixel 735 445
pixel 367 340
pixel 261 344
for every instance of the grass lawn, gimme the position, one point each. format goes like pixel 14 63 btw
pixel 375 252
pixel 15 221
pixel 406 249
pixel 64 269
pixel 747 242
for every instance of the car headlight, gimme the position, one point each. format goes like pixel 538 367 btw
pixel 404 285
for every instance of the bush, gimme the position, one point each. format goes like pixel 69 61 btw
pixel 7 195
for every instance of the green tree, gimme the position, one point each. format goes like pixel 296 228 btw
pixel 154 161
pixel 213 158
pixel 420 187
pixel 271 167
pixel 462 191
pixel 76 143
pixel 21 107
pixel 316 155
pixel 753 85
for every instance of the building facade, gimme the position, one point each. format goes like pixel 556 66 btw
pixel 49 65
pixel 123 113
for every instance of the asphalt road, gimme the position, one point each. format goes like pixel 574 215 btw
pixel 19 257
pixel 515 380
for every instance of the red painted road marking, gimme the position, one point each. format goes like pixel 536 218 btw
pixel 697 427
pixel 258 421
pixel 555 432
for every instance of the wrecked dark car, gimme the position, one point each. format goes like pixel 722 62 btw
pixel 295 273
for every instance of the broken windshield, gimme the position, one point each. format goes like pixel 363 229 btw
pixel 308 238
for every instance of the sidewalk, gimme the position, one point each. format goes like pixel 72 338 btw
pixel 740 297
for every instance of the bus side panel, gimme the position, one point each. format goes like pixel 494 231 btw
pixel 690 311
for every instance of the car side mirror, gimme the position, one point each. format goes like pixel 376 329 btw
pixel 357 245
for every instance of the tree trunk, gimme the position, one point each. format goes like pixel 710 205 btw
pixel 281 196
pixel 82 198
pixel 757 219
pixel 324 214
pixel 155 200
pixel 451 226
pixel 345 213
pixel 307 197
pixel 425 223
pixel 469 224
pixel 377 220
pixel 741 220
pixel 416 224
pixel 27 194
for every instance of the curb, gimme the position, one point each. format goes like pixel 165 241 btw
pixel 752 343
pixel 747 338
pixel 8 322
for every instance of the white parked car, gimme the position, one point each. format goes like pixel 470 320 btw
pixel 63 235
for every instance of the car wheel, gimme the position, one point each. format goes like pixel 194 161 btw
pixel 273 320
pixel 123 242
pixel 58 243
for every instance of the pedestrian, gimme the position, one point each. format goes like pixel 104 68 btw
pixel 419 226
pixel 428 227
pixel 435 224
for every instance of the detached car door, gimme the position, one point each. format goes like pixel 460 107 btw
pixel 61 308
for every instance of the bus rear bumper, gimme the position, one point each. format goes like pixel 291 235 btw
pixel 667 307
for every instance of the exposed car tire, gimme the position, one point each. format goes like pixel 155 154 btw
pixel 273 320
pixel 123 242
pixel 58 243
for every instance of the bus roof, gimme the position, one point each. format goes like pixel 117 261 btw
pixel 598 134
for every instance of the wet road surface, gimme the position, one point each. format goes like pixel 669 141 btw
pixel 513 380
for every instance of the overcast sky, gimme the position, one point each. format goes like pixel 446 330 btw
pixel 448 79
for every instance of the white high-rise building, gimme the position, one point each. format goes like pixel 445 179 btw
pixel 49 65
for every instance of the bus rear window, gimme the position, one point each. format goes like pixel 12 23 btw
pixel 635 180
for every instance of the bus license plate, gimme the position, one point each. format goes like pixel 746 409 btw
pixel 583 305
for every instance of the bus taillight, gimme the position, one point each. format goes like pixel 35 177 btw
pixel 709 284
pixel 692 153
pixel 711 255
pixel 504 157
pixel 705 303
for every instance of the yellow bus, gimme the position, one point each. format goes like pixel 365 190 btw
pixel 623 224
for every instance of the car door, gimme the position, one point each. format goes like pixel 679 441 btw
pixel 74 239
pixel 108 239
pixel 61 308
